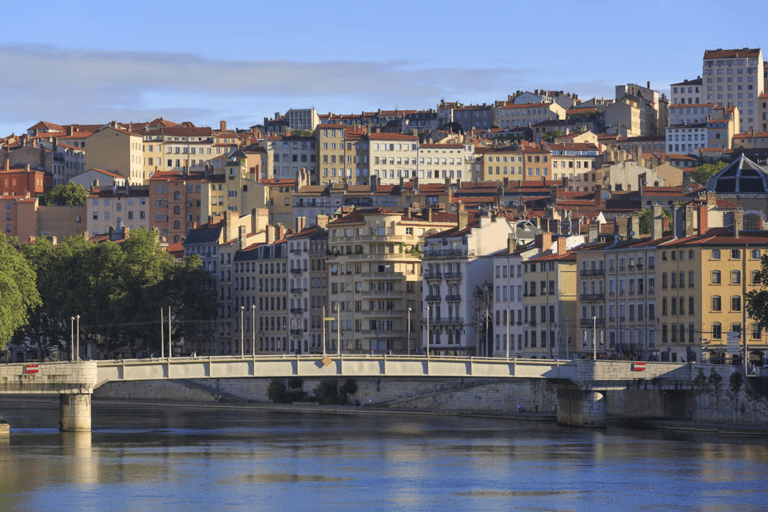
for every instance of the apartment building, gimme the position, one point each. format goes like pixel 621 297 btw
pixel 687 92
pixel 735 77
pixel 511 115
pixel 293 153
pixel 175 203
pixel 393 156
pixel 112 208
pixel 455 262
pixel 437 162
pixel 549 291
pixel 374 278
pixel 501 162
pixel 117 150
pixel 571 159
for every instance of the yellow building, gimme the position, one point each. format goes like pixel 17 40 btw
pixel 117 150
pixel 374 277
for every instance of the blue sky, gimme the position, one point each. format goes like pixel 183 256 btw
pixel 88 62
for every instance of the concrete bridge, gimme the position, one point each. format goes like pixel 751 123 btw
pixel 581 383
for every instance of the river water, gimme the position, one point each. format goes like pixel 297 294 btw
pixel 144 457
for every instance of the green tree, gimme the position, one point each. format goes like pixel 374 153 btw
pixel 551 135
pixel 72 194
pixel 645 219
pixel 704 172
pixel 118 290
pixel 756 300
pixel 18 290
pixel 276 392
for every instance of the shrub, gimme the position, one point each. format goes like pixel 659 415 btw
pixel 276 392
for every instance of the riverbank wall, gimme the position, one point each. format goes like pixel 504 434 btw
pixel 715 400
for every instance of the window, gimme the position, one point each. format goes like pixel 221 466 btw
pixel 735 276
pixel 716 304
pixel 715 254
pixel 736 303
pixel 715 277
pixel 735 254
pixel 717 331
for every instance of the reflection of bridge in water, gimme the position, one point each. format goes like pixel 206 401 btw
pixel 581 384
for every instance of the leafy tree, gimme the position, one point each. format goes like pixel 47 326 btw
pixel 301 133
pixel 327 392
pixel 735 382
pixel 704 172
pixel 551 135
pixel 118 290
pixel 756 300
pixel 72 194
pixel 276 392
pixel 18 291
pixel 646 220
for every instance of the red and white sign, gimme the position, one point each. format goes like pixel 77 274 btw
pixel 31 368
pixel 638 367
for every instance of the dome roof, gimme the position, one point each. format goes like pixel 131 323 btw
pixel 740 176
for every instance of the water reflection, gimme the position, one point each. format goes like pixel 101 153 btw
pixel 206 458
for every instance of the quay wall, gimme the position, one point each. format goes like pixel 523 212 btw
pixel 501 396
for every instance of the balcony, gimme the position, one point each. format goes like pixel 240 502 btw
pixel 296 251
pixel 448 253
pixel 297 271
pixel 532 323
pixel 452 275
pixel 297 332
pixel 379 313
pixel 297 311
pixel 595 272
pixel 588 322
pixel 382 293
pixel 433 275
pixel 453 298
pixel 432 298
pixel 593 297
pixel 298 291
pixel 446 321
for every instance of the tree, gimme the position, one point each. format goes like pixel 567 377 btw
pixel 18 290
pixel 72 194
pixel 551 135
pixel 704 172
pixel 646 220
pixel 118 290
pixel 756 300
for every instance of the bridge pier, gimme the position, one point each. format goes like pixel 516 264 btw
pixel 577 408
pixel 75 412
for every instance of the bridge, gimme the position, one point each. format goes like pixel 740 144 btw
pixel 583 382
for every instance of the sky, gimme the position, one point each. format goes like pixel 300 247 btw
pixel 90 62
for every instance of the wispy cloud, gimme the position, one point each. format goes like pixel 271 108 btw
pixel 75 85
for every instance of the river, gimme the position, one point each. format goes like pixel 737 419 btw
pixel 148 457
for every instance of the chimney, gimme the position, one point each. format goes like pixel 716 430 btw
pixel 621 225
pixel 270 232
pixel 711 199
pixel 543 241
pixel 223 126
pixel 686 183
pixel 511 243
pixel 374 184
pixel 322 221
pixel 738 222
pixel 678 222
pixel 634 226
pixel 689 230
pixel 593 235
pixel 241 236
pixel 703 220
pixel 463 217
pixel 656 222
pixel 562 245
pixel 598 196
pixel 447 185
pixel 70 130
pixel 126 232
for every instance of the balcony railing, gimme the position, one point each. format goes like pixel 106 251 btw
pixel 452 275
pixel 588 322
pixel 297 332
pixel 297 271
pixel 593 297
pixel 433 275
pixel 453 298
pixel 298 291
pixel 297 311
pixel 446 321
pixel 432 298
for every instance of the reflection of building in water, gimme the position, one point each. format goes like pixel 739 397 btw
pixel 78 445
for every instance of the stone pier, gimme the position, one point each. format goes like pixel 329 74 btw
pixel 577 408
pixel 75 412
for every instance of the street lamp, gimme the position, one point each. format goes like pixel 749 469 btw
pixel 242 342
pixel 72 339
pixel 77 337
pixel 408 333
pixel 428 331
pixel 567 337
pixel 594 338
pixel 253 328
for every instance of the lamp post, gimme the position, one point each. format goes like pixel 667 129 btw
pixel 253 329
pixel 242 336
pixel 567 337
pixel 323 330
pixel 72 338
pixel 77 337
pixel 428 331
pixel 594 338
pixel 162 335
pixel 408 332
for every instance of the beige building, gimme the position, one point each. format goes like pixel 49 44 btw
pixel 374 277
pixel 436 162
pixel 735 77
pixel 117 150
pixel 393 156
pixel 512 115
